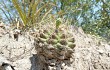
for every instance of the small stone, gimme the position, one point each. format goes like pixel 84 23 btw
pixel 16 37
pixel 52 68
pixel 52 64
pixel 63 64
pixel 2 24
pixel 108 54
pixel 100 51
pixel 107 47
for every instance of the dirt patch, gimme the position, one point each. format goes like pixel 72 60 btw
pixel 89 53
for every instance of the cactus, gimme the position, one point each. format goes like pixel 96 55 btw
pixel 55 42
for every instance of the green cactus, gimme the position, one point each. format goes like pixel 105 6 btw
pixel 58 40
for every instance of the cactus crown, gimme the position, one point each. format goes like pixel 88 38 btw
pixel 58 39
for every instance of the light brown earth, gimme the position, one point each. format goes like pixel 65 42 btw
pixel 90 53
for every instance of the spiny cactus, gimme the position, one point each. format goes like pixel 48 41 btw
pixel 55 42
pixel 56 38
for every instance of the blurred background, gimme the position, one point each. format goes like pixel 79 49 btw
pixel 92 15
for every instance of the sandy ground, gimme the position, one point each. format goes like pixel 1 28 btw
pixel 89 54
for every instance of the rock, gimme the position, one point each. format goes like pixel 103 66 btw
pixel 107 47
pixel 100 51
pixel 3 60
pixel 5 64
pixel 2 24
